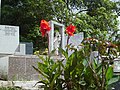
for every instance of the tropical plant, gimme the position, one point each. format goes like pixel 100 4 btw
pixel 50 71
pixel 79 71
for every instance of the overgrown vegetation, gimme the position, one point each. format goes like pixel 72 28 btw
pixel 96 18
pixel 10 88
pixel 78 71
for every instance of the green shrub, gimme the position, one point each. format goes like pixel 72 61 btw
pixel 10 88
pixel 79 72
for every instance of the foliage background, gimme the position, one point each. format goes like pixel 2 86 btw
pixel 97 18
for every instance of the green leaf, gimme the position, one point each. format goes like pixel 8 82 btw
pixel 109 73
pixel 53 67
pixel 43 67
pixel 80 68
pixel 40 72
pixel 113 80
pixel 56 75
pixel 83 83
pixel 64 52
pixel 72 61
pixel 61 64
pixel 95 64
pixel 66 74
pixel 99 69
pixel 88 75
pixel 42 58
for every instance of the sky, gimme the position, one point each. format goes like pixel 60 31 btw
pixel 118 16
pixel 114 0
pixel 119 21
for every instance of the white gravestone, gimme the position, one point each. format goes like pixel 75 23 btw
pixel 75 41
pixel 9 39
pixel 117 65
pixel 56 40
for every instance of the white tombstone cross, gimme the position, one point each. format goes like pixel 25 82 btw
pixel 58 40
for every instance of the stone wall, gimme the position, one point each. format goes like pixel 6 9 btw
pixel 20 67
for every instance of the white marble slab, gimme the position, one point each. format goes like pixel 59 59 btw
pixel 9 39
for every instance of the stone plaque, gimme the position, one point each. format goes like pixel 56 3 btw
pixel 9 39
pixel 75 40
pixel 117 65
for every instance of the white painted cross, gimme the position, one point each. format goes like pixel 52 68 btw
pixel 53 43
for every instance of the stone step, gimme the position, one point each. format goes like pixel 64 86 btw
pixel 25 85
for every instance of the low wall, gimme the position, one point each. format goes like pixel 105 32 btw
pixel 18 67
pixel 24 85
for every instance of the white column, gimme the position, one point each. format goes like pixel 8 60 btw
pixel 0 11
pixel 51 37
pixel 63 37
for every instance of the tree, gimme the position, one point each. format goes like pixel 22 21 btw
pixel 27 15
pixel 97 18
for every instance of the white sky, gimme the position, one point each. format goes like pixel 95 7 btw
pixel 118 16
pixel 114 0
pixel 119 22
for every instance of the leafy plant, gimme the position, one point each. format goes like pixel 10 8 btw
pixel 10 88
pixel 78 72
pixel 50 71
pixel 81 70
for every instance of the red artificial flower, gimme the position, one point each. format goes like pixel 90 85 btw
pixel 70 30
pixel 44 27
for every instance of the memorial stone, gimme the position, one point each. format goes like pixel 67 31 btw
pixel 9 39
pixel 58 39
pixel 117 65
pixel 75 40
pixel 24 48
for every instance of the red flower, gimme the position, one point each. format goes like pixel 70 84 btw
pixel 44 27
pixel 70 30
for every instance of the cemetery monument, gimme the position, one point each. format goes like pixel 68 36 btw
pixel 9 39
pixel 58 40
pixel 13 60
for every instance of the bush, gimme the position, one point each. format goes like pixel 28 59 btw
pixel 80 72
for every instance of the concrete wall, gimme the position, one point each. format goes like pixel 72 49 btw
pixel 19 67
pixel 4 66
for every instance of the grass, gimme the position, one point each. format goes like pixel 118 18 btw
pixel 10 88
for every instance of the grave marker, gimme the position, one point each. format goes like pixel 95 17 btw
pixel 9 39
pixel 75 40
